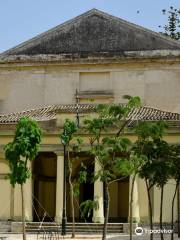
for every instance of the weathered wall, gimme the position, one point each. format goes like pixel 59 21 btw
pixel 5 189
pixel 168 196
pixel 143 200
pixel 10 199
pixel 29 87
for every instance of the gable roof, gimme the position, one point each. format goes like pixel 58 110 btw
pixel 94 32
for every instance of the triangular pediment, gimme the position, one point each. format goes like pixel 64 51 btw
pixel 93 32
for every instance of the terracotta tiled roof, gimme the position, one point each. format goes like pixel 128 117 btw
pixel 153 114
pixel 45 113
pixel 50 112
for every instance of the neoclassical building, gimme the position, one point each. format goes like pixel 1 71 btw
pixel 93 58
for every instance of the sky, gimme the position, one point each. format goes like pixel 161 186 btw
pixel 20 20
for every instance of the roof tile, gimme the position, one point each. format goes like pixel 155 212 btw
pixel 50 112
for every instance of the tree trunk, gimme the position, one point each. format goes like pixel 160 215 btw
pixel 23 213
pixel 106 205
pixel 131 207
pixel 172 213
pixel 72 211
pixel 150 209
pixel 161 212
pixel 71 197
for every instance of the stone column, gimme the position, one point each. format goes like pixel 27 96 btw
pixel 59 187
pixel 17 203
pixel 98 215
pixel 28 196
pixel 16 209
pixel 12 204
pixel 135 207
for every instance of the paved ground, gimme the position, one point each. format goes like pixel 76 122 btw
pixel 34 237
pixel 144 237
pixel 80 237
pixel 40 237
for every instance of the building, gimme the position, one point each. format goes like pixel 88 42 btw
pixel 93 58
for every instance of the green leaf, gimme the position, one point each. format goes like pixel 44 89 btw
pixel 22 149
pixel 87 207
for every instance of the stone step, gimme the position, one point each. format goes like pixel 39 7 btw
pixel 68 226
pixel 77 230
pixel 80 227
pixel 5 226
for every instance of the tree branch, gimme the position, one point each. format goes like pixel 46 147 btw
pixel 122 127
pixel 118 179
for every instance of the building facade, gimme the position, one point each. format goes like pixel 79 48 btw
pixel 93 58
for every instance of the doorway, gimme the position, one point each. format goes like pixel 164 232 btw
pixel 44 173
pixel 87 192
pixel 119 201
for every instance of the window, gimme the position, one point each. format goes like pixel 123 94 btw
pixel 95 86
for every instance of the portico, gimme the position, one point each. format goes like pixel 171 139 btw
pixel 44 191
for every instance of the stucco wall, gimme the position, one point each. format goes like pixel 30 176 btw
pixel 22 88
pixel 10 198
pixel 5 189
pixel 29 87
pixel 168 196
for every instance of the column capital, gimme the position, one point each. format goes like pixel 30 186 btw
pixel 59 153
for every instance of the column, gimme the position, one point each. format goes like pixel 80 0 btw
pixel 135 206
pixel 27 189
pixel 28 196
pixel 98 215
pixel 156 203
pixel 12 204
pixel 169 189
pixel 143 200
pixel 59 187
pixel 17 203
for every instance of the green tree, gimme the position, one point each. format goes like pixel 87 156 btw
pixel 72 144
pixel 161 170
pixel 110 149
pixel 131 167
pixel 172 28
pixel 22 149
pixel 135 165
pixel 175 174
pixel 87 207
pixel 148 136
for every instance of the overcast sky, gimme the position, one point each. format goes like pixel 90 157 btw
pixel 21 20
